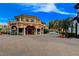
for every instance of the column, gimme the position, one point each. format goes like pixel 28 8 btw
pixel 24 30
pixel 69 30
pixel 10 31
pixel 36 31
pixel 19 19
pixel 77 30
pixel 17 30
pixel 40 30
pixel 74 29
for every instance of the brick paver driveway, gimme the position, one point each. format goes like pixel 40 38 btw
pixel 41 45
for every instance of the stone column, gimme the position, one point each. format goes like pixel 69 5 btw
pixel 20 19
pixel 40 30
pixel 17 30
pixel 24 30
pixel 36 31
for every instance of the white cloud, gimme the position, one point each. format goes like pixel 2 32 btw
pixel 3 21
pixel 46 7
pixel 3 24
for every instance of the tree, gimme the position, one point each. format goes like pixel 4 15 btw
pixel 50 24
pixel 59 24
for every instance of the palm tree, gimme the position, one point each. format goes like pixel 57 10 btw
pixel 51 24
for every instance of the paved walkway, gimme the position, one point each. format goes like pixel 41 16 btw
pixel 38 45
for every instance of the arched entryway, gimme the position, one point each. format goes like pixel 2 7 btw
pixel 30 30
pixel 14 28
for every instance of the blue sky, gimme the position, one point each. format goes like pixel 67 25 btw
pixel 44 11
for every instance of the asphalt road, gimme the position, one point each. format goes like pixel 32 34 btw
pixel 38 45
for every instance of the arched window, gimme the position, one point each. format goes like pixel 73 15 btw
pixel 17 19
pixel 27 20
pixel 22 19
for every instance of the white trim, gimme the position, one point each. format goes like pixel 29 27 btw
pixel 69 30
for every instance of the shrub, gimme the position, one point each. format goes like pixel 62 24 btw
pixel 46 31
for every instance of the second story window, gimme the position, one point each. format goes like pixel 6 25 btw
pixel 32 20
pixel 17 19
pixel 27 20
pixel 21 19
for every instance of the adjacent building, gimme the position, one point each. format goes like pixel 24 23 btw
pixel 74 26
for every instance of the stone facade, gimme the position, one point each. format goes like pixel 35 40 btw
pixel 26 24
